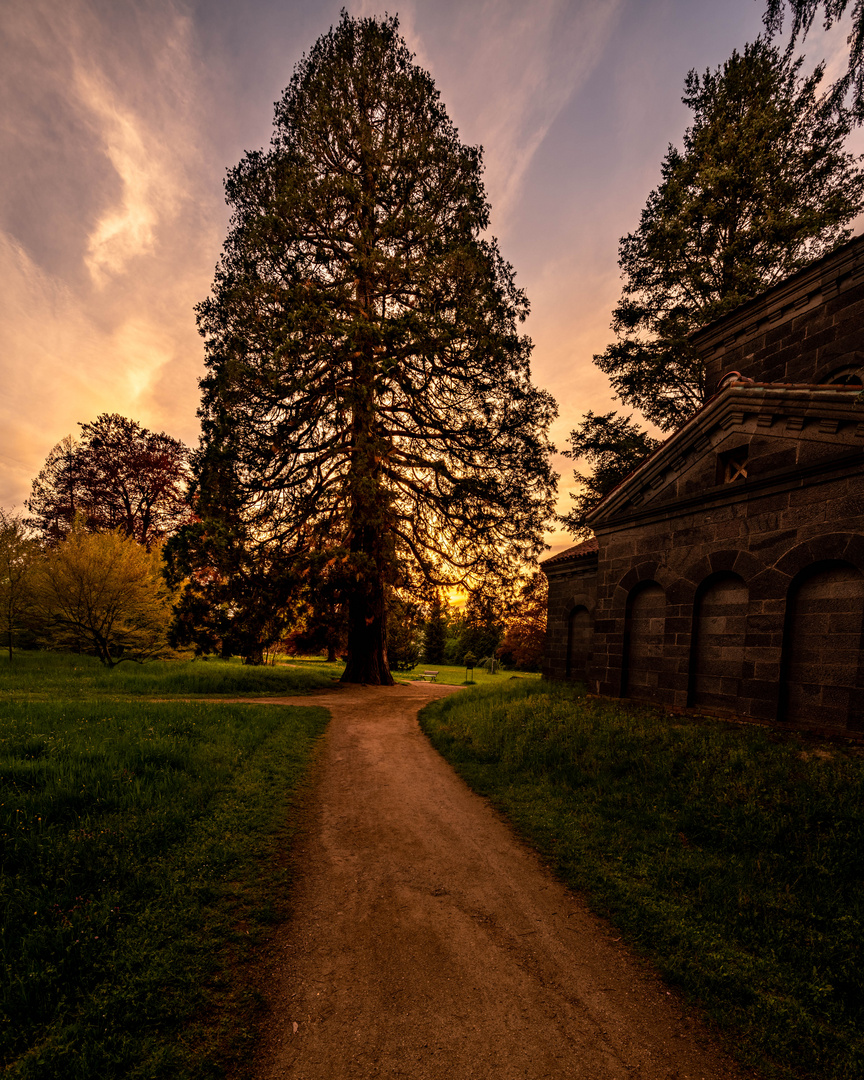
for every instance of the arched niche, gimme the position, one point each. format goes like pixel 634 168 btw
pixel 579 636
pixel 645 626
pixel 821 671
pixel 717 643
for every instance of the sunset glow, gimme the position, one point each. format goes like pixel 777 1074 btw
pixel 121 119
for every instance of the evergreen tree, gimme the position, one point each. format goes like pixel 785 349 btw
pixel 614 445
pixel 762 186
pixel 435 632
pixel 368 391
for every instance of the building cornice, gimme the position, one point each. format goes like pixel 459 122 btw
pixel 827 408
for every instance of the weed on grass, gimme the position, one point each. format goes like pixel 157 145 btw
pixel 140 867
pixel 732 856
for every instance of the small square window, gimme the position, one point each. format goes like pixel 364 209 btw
pixel 732 466
pixel 736 469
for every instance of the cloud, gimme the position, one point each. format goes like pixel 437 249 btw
pixel 110 223
pixel 505 70
pixel 148 193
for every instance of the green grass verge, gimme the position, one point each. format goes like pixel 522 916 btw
pixel 142 862
pixel 732 856
pixel 46 674
pixel 455 676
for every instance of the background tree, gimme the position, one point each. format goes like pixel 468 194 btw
pixel 118 475
pixel 104 593
pixel 368 391
pixel 234 598
pixel 613 445
pixel 762 186
pixel 851 83
pixel 404 632
pixel 482 625
pixel 435 630
pixel 525 635
pixel 18 554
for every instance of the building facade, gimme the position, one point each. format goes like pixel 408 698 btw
pixel 727 573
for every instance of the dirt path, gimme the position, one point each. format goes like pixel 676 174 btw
pixel 429 943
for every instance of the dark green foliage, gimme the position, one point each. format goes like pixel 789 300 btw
pixel 18 555
pixel 236 599
pixel 368 392
pixel 762 186
pixel 614 445
pixel 731 856
pixel 141 868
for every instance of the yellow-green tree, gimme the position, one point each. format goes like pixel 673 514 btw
pixel 17 558
pixel 105 593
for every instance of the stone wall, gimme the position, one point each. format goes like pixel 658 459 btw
pixel 738 607
pixel 805 330
pixel 570 620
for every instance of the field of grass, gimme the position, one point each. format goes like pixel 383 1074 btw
pixel 731 856
pixel 45 674
pixel 142 860
pixel 455 676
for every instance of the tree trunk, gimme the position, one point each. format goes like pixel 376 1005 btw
pixel 367 637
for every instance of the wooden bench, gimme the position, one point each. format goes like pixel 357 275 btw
pixel 429 676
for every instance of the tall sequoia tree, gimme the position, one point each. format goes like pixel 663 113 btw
pixel 368 391
pixel 762 186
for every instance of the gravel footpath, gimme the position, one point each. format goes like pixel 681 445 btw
pixel 429 942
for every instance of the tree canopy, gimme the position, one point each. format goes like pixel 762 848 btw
pixel 117 475
pixel 18 554
pixel 762 186
pixel 368 391
pixel 104 593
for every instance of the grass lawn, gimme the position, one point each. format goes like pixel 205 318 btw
pixel 731 856
pixel 142 859
pixel 45 674
pixel 455 676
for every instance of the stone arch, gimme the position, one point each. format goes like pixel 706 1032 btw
pixel 638 575
pixel 644 637
pixel 717 641
pixel 580 632
pixel 843 547
pixel 742 564
pixel 822 671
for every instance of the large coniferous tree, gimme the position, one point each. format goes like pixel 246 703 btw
pixel 368 391
pixel 762 186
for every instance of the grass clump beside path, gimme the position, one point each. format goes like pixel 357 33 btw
pixel 142 862
pixel 46 674
pixel 732 856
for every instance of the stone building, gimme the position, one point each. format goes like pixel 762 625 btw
pixel 727 573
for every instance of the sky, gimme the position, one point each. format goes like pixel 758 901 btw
pixel 120 117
